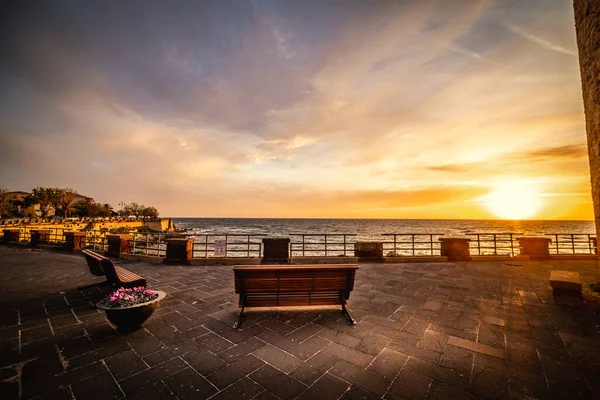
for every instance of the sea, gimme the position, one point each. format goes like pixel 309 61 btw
pixel 370 229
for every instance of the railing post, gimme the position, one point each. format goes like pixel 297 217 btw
pixel 73 240
pixel 11 235
pixel 39 236
pixel 276 249
pixel 455 248
pixel 179 250
pixel 535 247
pixel 118 244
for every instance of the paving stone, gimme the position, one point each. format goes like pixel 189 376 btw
pixel 278 358
pixel 363 379
pixel 9 390
pixel 348 354
pixel 328 387
pixel 438 373
pixel 213 342
pixel 232 372
pixel 480 348
pixel 458 359
pixel 101 387
pixel 125 364
pixel 278 383
pixel 245 388
pixel 313 368
pixel 152 375
pixel 309 347
pixel 304 332
pixel 487 383
pixel 241 349
pixel 277 340
pixel 373 344
pixel 444 391
pixel 434 341
pixel 168 353
pixel 144 343
pixel 156 391
pixel 408 385
pixel 388 363
pixel 188 384
pixel 413 350
pixel 339 337
pixel 204 361
pixel 356 393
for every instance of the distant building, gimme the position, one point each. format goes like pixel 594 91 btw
pixel 17 203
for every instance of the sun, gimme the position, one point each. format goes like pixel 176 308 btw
pixel 515 200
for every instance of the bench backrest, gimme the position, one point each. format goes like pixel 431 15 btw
pixel 94 262
pixel 295 279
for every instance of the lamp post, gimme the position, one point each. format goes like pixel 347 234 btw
pixel 122 204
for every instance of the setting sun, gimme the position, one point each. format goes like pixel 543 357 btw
pixel 517 200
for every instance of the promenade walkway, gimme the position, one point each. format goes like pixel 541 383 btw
pixel 425 331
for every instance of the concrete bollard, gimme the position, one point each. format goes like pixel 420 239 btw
pixel 534 246
pixel 39 236
pixel 179 250
pixel 276 249
pixel 368 249
pixel 455 248
pixel 74 240
pixel 118 244
pixel 11 235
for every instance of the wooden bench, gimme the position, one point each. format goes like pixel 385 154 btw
pixel 115 275
pixel 294 285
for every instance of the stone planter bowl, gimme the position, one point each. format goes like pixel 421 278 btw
pixel 130 318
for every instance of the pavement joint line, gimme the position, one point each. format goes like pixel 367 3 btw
pixel 113 378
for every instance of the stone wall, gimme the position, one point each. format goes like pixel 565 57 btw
pixel 587 24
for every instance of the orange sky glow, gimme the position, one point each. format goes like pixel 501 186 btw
pixel 356 109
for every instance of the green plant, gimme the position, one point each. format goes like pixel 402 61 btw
pixel 393 253
pixel 129 297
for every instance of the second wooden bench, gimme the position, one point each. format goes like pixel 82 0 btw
pixel 115 275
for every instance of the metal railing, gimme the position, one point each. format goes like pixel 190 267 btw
pixel 412 244
pixel 149 244
pixel 226 245
pixel 494 244
pixel 573 243
pixel 322 244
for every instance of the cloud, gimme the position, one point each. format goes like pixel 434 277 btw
pixel 215 103
pixel 567 151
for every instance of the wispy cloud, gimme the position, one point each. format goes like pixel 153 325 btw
pixel 205 108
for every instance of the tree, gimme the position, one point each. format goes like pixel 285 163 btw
pixel 89 208
pixel 42 196
pixel 133 209
pixel 150 212
pixel 4 204
pixel 64 200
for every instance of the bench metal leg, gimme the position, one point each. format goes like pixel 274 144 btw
pixel 345 311
pixel 238 324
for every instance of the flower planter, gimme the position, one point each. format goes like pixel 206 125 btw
pixel 130 318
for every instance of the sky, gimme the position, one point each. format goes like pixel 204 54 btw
pixel 306 109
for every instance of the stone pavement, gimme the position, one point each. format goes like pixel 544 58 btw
pixel 436 331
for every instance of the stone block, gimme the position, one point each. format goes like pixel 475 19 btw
pixel 455 248
pixel 74 240
pixel 536 247
pixel 40 236
pixel 11 235
pixel 368 249
pixel 179 250
pixel 276 248
pixel 118 244
pixel 567 280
